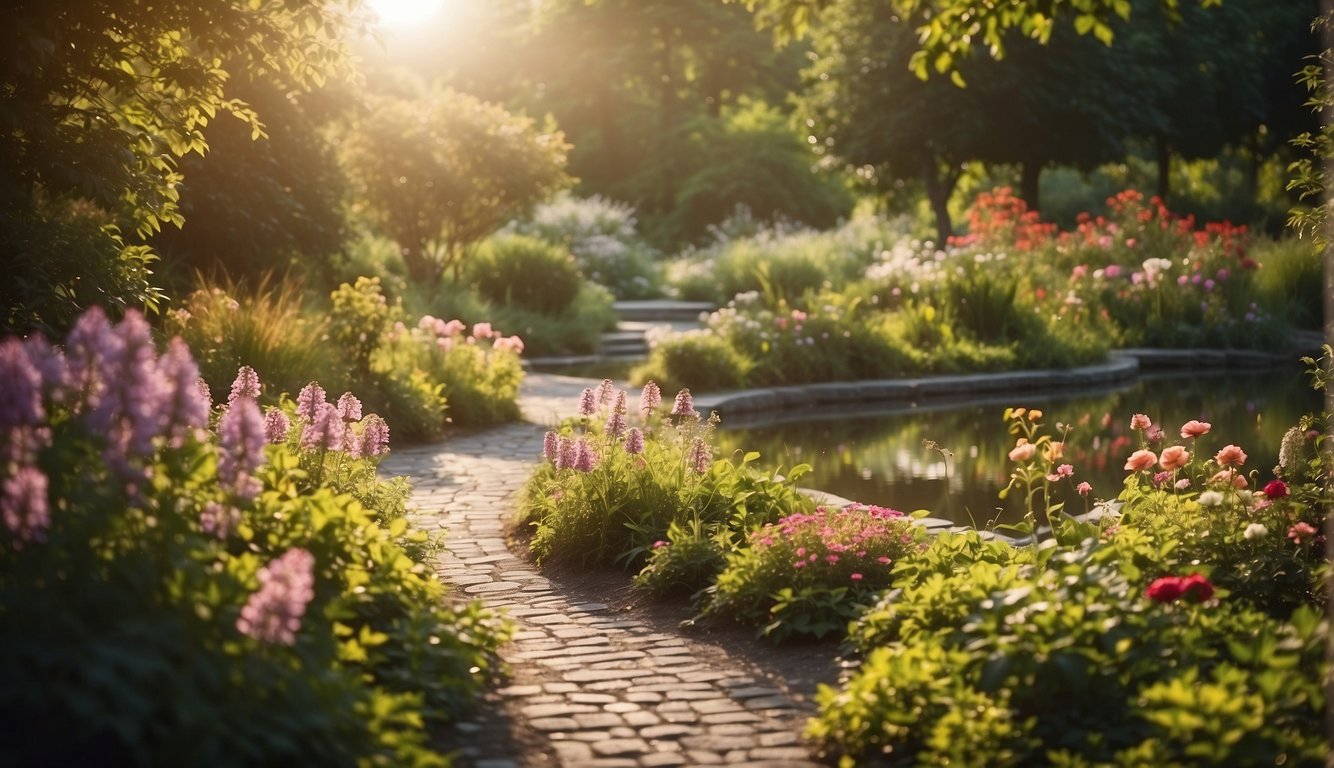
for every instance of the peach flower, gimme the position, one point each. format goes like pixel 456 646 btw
pixel 1023 450
pixel 1054 450
pixel 1174 457
pixel 1141 460
pixel 1140 421
pixel 1195 428
pixel 1229 477
pixel 1230 455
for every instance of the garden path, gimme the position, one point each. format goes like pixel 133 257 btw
pixel 588 685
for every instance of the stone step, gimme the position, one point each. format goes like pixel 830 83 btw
pixel 662 309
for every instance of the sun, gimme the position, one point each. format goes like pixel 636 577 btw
pixel 405 13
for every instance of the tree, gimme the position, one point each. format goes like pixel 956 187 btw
pixel 440 172
pixel 99 99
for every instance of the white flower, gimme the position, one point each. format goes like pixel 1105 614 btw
pixel 1211 498
pixel 1255 531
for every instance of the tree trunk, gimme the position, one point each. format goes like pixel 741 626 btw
pixel 666 122
pixel 938 193
pixel 1029 177
pixel 1164 167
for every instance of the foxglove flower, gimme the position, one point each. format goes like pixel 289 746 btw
pixel 684 405
pixel 566 453
pixel 287 585
pixel 549 442
pixel 587 403
pixel 325 430
pixel 241 437
pixel 585 456
pixel 634 442
pixel 276 426
pixel 1290 450
pixel 650 398
pixel 374 437
pixel 349 407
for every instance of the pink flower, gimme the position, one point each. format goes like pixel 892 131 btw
pixel 1065 470
pixel 1301 531
pixel 1276 489
pixel 585 455
pixel 287 585
pixel 246 384
pixel 1230 455
pixel 831 559
pixel 615 424
pixel 1169 589
pixel 799 564
pixel 1154 433
pixel 606 392
pixel 1174 457
pixel 700 456
pixel 349 407
pixel 276 426
pixel 659 544
pixel 1195 428
pixel 1139 422
pixel 883 560
pixel 650 398
pixel 634 441
pixel 1022 451
pixel 549 445
pixel 24 507
pixel 684 405
pixel 587 402
pixel 1229 477
pixel 374 437
pixel 218 519
pixel 1140 460
pixel 241 440
pixel 1084 489
pixel 855 577
pixel 187 409
pixel 566 453
pixel 482 331
pixel 308 401
pixel 1182 484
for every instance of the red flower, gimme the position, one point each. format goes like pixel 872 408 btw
pixel 1276 489
pixel 1197 588
pixel 1169 589
pixel 1164 590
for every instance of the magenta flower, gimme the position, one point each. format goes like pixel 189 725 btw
pixel 187 407
pixel 585 455
pixel 634 441
pixel 308 401
pixel 23 506
pixel 855 577
pixel 245 385
pixel 1276 489
pixel 1065 470
pixel 287 585
pixel 88 348
pixel 349 407
pixel 276 426
pixel 650 398
pixel 567 454
pixel 374 437
pixel 549 441
pixel 325 430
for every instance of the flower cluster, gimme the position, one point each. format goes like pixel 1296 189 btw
pixel 583 452
pixel 447 334
pixel 1170 589
pixel 856 545
pixel 287 585
pixel 341 427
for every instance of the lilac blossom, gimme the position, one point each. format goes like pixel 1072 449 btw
pixel 218 519
pixel 90 344
pixel 566 453
pixel 131 405
pixel 325 429
pixel 287 585
pixel 21 386
pixel 276 426
pixel 634 441
pixel 606 391
pixel 50 364
pixel 374 437
pixel 684 405
pixel 241 439
pixel 186 408
pixel 615 424
pixel 349 407
pixel 587 403
pixel 23 506
pixel 549 443
pixel 585 455
pixel 245 385
pixel 308 401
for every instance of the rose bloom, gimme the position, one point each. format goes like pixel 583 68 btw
pixel 1276 489
pixel 1140 421
pixel 1141 460
pixel 1084 489
pixel 1300 531
pixel 1174 457
pixel 1195 428
pixel 1230 455
pixel 1164 590
pixel 1023 450
pixel 1229 477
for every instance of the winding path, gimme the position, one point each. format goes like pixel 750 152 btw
pixel 587 686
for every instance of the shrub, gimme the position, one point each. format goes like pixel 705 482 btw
pixel 165 588
pixel 525 272
pixel 1291 281
pixel 695 359
pixel 809 574
pixel 575 331
pixel 603 237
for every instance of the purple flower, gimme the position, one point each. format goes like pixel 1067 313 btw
pixel 276 426
pixel 218 519
pixel 566 453
pixel 325 430
pixel 246 385
pixel 615 424
pixel 50 363
pixel 374 437
pixel 20 387
pixel 349 407
pixel 685 404
pixel 634 442
pixel 287 585
pixel 587 403
pixel 585 456
pixel 699 457
pixel 606 391
pixel 187 407
pixel 549 441
pixel 130 405
pixel 650 398
pixel 241 438
pixel 308 401
pixel 23 506
pixel 90 344
pixel 204 393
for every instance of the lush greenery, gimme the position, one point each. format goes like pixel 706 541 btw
pixel 176 572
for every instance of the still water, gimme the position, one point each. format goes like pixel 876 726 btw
pixel 880 458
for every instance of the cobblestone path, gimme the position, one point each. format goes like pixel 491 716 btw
pixel 587 686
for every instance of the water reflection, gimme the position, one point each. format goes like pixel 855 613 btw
pixel 880 457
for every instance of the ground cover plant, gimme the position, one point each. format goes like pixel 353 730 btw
pixel 868 300
pixel 175 572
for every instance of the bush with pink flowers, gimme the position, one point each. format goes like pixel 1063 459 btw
pixel 175 573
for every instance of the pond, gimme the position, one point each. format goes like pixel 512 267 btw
pixel 880 458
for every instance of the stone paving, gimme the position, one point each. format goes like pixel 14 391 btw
pixel 586 686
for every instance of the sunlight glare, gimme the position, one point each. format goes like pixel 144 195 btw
pixel 403 13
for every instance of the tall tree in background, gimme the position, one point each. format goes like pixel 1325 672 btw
pixel 99 99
